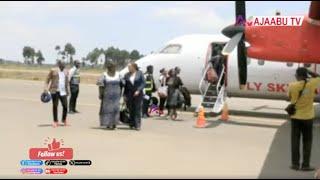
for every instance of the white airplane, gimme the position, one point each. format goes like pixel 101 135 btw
pixel 266 79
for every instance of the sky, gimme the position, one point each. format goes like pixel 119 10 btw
pixel 140 25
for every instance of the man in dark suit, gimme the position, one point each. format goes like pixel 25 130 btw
pixel 134 83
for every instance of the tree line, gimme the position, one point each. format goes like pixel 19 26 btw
pixel 30 55
pixel 120 56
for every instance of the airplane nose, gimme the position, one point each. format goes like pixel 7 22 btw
pixel 232 30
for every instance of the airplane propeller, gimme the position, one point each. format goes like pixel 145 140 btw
pixel 236 33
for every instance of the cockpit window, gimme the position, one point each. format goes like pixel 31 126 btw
pixel 171 49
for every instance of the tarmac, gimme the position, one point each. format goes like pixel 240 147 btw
pixel 254 143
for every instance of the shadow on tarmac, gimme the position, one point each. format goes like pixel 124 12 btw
pixel 49 125
pixel 120 127
pixel 214 124
pixel 45 125
pixel 278 159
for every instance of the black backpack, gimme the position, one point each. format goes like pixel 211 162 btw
pixel 187 96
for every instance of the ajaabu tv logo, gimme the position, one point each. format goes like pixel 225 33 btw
pixel 270 21
pixel 54 150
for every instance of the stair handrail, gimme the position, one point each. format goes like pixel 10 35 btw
pixel 209 65
pixel 220 79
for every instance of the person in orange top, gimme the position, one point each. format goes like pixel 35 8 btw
pixel 302 120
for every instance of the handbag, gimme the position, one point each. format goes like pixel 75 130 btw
pixel 163 91
pixel 291 108
pixel 180 99
pixel 124 114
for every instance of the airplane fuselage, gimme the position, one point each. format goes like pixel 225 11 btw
pixel 266 79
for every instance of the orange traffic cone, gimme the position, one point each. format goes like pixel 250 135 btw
pixel 225 113
pixel 201 120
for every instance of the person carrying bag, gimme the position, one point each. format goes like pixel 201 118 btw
pixel 302 113
pixel 291 108
pixel 162 90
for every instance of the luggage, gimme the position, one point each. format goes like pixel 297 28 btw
pixel 291 108
pixel 163 91
pixel 153 106
pixel 45 97
pixel 154 101
pixel 180 99
pixel 187 96
pixel 124 114
pixel 212 76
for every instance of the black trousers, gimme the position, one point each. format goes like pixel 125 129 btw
pixel 162 103
pixel 55 102
pixel 74 96
pixel 134 106
pixel 304 128
pixel 146 104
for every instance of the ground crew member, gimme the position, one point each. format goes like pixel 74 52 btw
pixel 74 81
pixel 57 84
pixel 302 119
pixel 148 90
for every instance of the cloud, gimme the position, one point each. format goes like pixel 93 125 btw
pixel 90 24
pixel 38 9
pixel 202 16
pixel 37 24
pixel 16 35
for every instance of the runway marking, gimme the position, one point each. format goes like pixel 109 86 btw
pixel 38 101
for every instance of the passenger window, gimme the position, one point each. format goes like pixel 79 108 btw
pixel 171 49
pixel 261 62
pixel 289 64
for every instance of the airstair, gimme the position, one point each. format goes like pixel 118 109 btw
pixel 212 95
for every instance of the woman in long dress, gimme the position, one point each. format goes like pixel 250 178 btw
pixel 174 83
pixel 109 93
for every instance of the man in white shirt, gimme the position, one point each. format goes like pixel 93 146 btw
pixel 74 81
pixel 57 85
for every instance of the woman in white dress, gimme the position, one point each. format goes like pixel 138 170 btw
pixel 109 94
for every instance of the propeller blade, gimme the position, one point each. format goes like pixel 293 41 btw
pixel 240 9
pixel 237 35
pixel 242 64
pixel 231 45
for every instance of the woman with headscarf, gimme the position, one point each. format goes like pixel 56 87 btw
pixel 174 83
pixel 109 94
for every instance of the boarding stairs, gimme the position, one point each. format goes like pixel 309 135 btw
pixel 212 95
